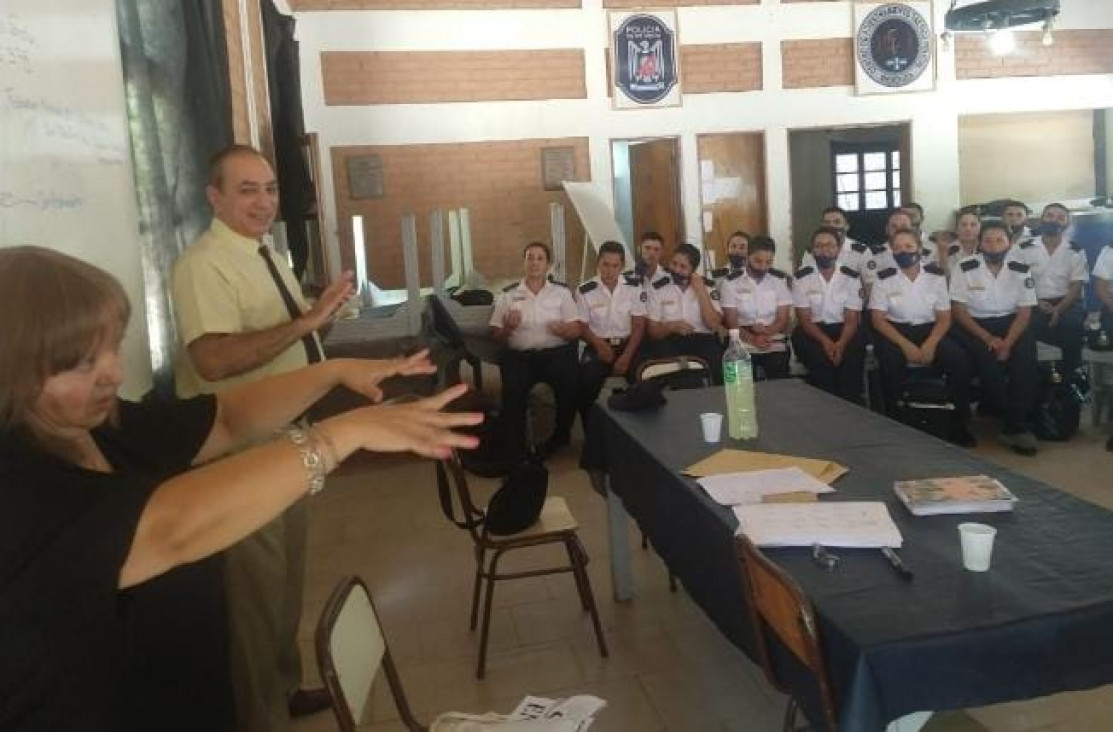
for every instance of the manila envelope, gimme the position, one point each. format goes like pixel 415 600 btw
pixel 741 461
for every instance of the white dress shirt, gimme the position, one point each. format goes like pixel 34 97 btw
pixel 670 303
pixel 987 295
pixel 756 302
pixel 911 302
pixel 552 304
pixel 1052 271
pixel 828 300
pixel 608 312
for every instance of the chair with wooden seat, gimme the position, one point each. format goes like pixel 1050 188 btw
pixel 351 650
pixel 779 607
pixel 556 525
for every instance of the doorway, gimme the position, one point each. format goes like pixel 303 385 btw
pixel 647 189
pixel 864 170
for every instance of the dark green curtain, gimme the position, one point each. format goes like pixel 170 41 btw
pixel 179 114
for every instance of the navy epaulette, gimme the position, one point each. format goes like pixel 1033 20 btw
pixel 708 281
pixel 934 269
pixel 1018 266
pixel 720 272
pixel 632 279
pixel 953 250
pixel 558 284
pixel 735 274
pixel 968 264
pixel 661 282
pixel 1027 243
pixel 859 247
pixel 803 272
pixel 1076 246
pixel 886 273
pixel 850 271
pixel 511 286
pixel 777 273
pixel 587 287
pixel 877 248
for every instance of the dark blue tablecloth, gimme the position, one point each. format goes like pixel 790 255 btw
pixel 1039 622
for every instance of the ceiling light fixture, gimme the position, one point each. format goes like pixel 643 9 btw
pixel 1000 14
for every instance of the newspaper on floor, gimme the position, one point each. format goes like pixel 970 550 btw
pixel 533 714
pixel 579 710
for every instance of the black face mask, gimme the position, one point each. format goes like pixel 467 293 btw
pixel 994 257
pixel 905 260
pixel 824 261
pixel 640 267
pixel 757 275
pixel 1052 228
pixel 679 279
pixel 737 261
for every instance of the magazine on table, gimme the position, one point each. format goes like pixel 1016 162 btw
pixel 961 494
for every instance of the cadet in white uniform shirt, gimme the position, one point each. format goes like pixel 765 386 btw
pixel 1015 217
pixel 1060 270
pixel 968 227
pixel 738 247
pixel 827 338
pixel 540 324
pixel 1103 288
pixel 757 301
pixel 612 307
pixel 684 312
pixel 992 301
pixel 852 253
pixel 911 314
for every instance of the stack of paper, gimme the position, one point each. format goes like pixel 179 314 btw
pixel 865 524
pixel 743 461
pixel 965 494
pixel 734 489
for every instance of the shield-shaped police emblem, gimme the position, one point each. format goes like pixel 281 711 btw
pixel 644 56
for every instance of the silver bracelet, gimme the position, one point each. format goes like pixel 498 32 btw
pixel 311 458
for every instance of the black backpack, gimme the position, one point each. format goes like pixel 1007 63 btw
pixel 514 507
pixel 1058 410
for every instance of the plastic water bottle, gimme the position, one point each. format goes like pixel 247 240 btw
pixel 738 381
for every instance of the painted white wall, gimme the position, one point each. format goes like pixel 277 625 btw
pixel 933 115
pixel 65 165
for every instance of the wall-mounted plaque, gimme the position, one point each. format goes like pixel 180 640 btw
pixel 365 176
pixel 893 47
pixel 558 164
pixel 644 59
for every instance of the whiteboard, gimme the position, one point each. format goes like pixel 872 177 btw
pixel 65 163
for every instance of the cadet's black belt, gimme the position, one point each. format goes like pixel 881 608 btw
pixel 615 342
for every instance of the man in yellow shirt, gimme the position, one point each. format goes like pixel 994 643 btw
pixel 241 317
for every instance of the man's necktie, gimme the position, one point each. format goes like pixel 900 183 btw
pixel 312 350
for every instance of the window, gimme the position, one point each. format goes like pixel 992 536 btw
pixel 867 177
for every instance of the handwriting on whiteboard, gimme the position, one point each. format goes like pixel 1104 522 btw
pixel 41 200
pixel 59 122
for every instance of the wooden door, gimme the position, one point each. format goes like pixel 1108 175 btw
pixel 655 190
pixel 732 179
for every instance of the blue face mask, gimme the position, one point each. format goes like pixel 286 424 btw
pixel 678 278
pixel 737 261
pixel 1052 228
pixel 640 267
pixel 994 257
pixel 824 261
pixel 905 260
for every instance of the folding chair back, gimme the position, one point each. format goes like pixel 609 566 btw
pixel 350 651
pixel 778 604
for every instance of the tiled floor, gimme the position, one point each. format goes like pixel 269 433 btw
pixel 669 669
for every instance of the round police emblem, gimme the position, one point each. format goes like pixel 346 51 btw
pixel 645 59
pixel 1029 283
pixel 894 45
pixel 871 264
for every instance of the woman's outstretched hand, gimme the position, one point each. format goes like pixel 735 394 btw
pixel 364 376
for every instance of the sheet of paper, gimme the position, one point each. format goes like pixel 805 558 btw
pixel 865 524
pixel 734 489
pixel 741 461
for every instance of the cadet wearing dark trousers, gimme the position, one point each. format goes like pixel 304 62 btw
pixel 540 324
pixel 828 301
pixel 993 301
pixel 911 313
pixel 684 313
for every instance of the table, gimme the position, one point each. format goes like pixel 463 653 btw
pixel 1041 621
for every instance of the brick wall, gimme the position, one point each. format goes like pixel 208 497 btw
pixel 827 62
pixel 721 67
pixel 367 77
pixel 499 182
pixel 307 5
pixel 1074 52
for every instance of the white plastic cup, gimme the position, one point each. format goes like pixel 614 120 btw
pixel 712 423
pixel 977 545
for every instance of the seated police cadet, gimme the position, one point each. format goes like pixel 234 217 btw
pixel 992 302
pixel 1015 217
pixel 1103 288
pixel 757 301
pixel 828 300
pixel 684 312
pixel 1059 269
pixel 852 253
pixel 612 307
pixel 738 246
pixel 968 227
pixel 911 314
pixel 880 256
pixel 539 322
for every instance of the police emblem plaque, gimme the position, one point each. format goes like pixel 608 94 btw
pixel 893 47
pixel 644 59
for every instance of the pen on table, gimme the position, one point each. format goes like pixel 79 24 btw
pixel 896 563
